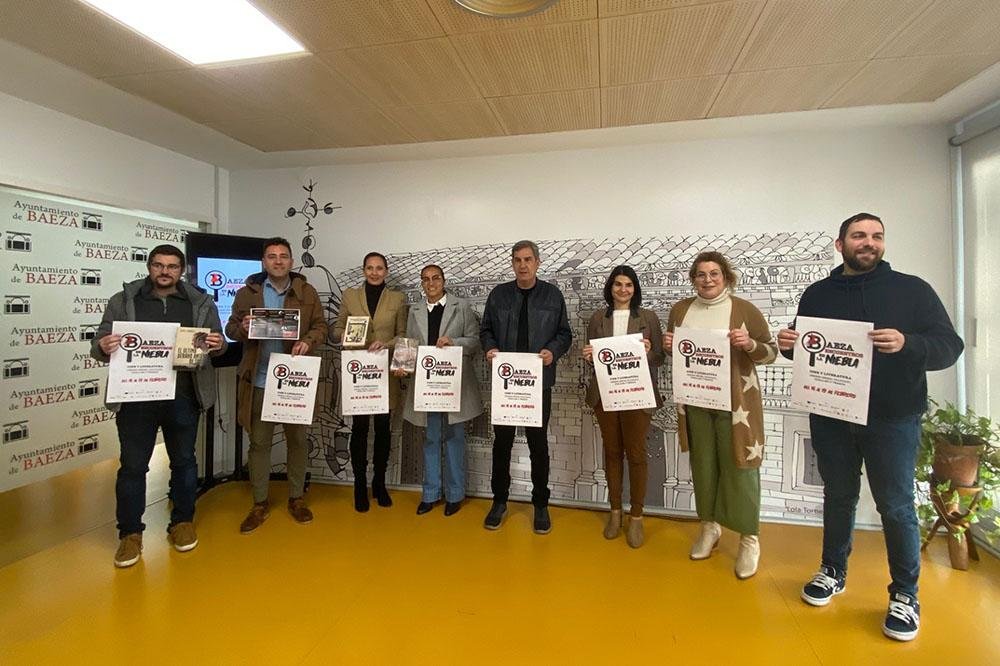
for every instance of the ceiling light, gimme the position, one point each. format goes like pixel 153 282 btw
pixel 203 31
pixel 504 8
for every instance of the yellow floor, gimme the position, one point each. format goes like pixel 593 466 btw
pixel 391 587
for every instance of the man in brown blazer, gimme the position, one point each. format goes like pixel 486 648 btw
pixel 387 309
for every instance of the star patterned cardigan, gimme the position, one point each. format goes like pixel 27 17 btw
pixel 748 413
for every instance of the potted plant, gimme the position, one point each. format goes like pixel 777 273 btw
pixel 958 473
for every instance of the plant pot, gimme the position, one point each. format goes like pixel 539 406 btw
pixel 956 463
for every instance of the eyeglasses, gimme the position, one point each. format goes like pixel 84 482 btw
pixel 433 278
pixel 157 266
pixel 714 275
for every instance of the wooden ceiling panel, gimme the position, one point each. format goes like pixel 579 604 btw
pixel 950 26
pixel 903 80
pixel 547 58
pixel 190 93
pixel 347 127
pixel 606 8
pixel 777 90
pixel 271 134
pixel 456 20
pixel 445 122
pixel 549 112
pixel 677 43
pixel 83 38
pixel 289 84
pixel 659 102
pixel 325 25
pixel 406 74
pixel 792 33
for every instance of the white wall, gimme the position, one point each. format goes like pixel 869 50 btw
pixel 52 152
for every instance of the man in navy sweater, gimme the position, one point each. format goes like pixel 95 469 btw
pixel 912 335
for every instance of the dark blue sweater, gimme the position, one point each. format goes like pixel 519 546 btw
pixel 890 300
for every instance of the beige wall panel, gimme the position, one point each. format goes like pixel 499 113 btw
pixel 451 120
pixel 82 38
pixel 901 80
pixel 190 93
pixel 674 44
pixel 777 90
pixel 291 83
pixel 271 134
pixel 659 102
pixel 549 112
pixel 326 25
pixel 456 20
pixel 950 26
pixel 406 74
pixel 555 57
pixel 347 126
pixel 793 33
pixel 606 8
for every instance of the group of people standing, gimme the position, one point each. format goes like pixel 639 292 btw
pixel 912 335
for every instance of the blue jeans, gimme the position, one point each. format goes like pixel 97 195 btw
pixel 453 436
pixel 138 423
pixel 888 448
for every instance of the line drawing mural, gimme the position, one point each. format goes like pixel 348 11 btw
pixel 774 270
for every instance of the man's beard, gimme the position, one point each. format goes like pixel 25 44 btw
pixel 862 266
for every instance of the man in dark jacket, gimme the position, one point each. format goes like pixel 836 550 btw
pixel 912 335
pixel 279 288
pixel 525 315
pixel 160 297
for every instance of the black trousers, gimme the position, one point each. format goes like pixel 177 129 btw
pixel 538 449
pixel 359 448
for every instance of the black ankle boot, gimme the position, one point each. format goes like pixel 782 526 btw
pixel 360 497
pixel 380 494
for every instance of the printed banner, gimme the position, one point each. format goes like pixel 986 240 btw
pixel 437 382
pixel 290 389
pixel 622 373
pixel 364 383
pixel 142 368
pixel 832 368
pixel 701 362
pixel 516 398
pixel 60 262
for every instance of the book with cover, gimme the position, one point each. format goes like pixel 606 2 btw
pixel 191 347
pixel 356 331
pixel 404 355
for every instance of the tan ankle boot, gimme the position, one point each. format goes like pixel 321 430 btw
pixel 634 536
pixel 707 540
pixel 747 556
pixel 614 526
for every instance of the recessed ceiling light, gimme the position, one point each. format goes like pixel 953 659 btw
pixel 203 31
pixel 504 8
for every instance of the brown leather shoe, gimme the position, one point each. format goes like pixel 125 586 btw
pixel 300 512
pixel 183 537
pixel 258 514
pixel 129 550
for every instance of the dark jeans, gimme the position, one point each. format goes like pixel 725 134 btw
pixel 888 448
pixel 538 449
pixel 137 424
pixel 359 448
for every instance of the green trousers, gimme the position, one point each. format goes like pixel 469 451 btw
pixel 723 493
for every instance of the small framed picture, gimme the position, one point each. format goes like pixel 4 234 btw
pixel 356 331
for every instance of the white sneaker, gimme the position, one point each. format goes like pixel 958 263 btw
pixel 707 540
pixel 747 556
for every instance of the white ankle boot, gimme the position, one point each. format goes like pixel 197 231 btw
pixel 614 525
pixel 706 541
pixel 747 556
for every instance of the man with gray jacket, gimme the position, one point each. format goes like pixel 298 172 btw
pixel 160 297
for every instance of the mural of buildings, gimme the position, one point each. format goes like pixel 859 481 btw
pixel 774 270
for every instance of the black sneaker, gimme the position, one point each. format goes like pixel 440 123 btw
pixel 826 583
pixel 903 619
pixel 543 524
pixel 495 516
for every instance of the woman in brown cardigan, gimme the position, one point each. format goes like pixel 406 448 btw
pixel 624 431
pixel 726 447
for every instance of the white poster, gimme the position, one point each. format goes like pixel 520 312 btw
pixel 142 368
pixel 516 398
pixel 622 373
pixel 437 382
pixel 290 389
pixel 364 384
pixel 701 362
pixel 832 368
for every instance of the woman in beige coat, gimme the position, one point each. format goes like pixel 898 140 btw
pixel 387 309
